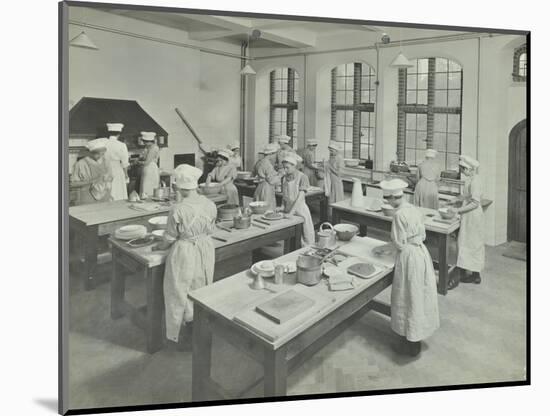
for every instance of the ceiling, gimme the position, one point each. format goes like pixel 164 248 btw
pixel 274 33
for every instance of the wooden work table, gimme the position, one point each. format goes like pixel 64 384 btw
pixel 315 196
pixel 218 310
pixel 91 221
pixel 148 265
pixel 438 233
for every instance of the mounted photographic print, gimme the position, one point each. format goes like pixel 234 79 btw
pixel 261 207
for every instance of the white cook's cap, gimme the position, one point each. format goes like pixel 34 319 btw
pixel 224 153
pixel 311 142
pixel 148 136
pixel 393 187
pixel 283 138
pixel 115 127
pixel 187 176
pixel 431 153
pixel 271 148
pixel 291 158
pixel 335 146
pixel 97 144
pixel 468 162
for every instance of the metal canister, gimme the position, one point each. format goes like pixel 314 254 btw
pixel 279 274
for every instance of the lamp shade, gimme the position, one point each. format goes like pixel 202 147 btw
pixel 248 70
pixel 401 61
pixel 83 41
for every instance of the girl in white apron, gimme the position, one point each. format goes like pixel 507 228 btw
pixel 264 170
pixel 414 309
pixel 190 262
pixel 471 242
pixel 150 175
pixel 333 170
pixel 118 160
pixel 295 185
pixel 225 173
pixel 310 169
pixel 426 192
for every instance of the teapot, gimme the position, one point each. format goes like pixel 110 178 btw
pixel 326 237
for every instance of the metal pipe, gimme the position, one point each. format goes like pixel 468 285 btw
pixel 242 126
pixel 410 42
pixel 478 94
pixel 159 40
pixel 305 99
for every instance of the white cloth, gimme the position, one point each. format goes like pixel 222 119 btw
pixel 190 263
pixel 117 158
pixel 291 189
pixel 393 187
pixel 115 127
pixel 414 308
pixel 471 244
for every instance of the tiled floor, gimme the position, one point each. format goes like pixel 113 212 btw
pixel 481 339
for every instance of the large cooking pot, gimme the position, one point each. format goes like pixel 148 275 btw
pixel 227 212
pixel 242 222
pixel 308 270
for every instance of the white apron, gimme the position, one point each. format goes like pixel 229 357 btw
pixel 471 244
pixel 290 193
pixel 117 159
pixel 220 173
pixel 426 191
pixel 414 308
pixel 265 191
pixel 190 263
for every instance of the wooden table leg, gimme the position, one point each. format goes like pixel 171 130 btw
pixel 275 372
pixel 443 260
pixel 335 216
pixel 89 261
pixel 155 308
pixel 323 209
pixel 202 353
pixel 117 287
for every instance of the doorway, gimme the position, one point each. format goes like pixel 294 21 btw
pixel 517 183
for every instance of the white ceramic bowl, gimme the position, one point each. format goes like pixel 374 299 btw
pixel 158 223
pixel 129 232
pixel 259 207
pixel 446 214
pixel 345 232
pixel 212 188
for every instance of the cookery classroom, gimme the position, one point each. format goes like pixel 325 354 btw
pixel 261 206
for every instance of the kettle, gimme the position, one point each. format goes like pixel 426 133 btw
pixel 326 237
pixel 357 197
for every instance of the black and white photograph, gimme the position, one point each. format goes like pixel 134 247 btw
pixel 267 207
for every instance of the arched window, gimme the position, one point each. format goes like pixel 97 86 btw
pixel 430 111
pixel 519 71
pixel 352 109
pixel 283 103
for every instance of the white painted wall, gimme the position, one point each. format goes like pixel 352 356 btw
pixel 159 77
pixel 501 105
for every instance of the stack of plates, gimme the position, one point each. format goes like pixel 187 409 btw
pixel 129 232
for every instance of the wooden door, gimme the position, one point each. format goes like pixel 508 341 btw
pixel 517 183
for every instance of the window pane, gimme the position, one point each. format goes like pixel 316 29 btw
pixel 441 81
pixel 339 133
pixel 340 97
pixel 454 98
pixel 441 98
pixel 440 123
pixel 410 138
pixel 454 123
pixel 452 161
pixel 341 70
pixel 349 97
pixel 349 118
pixel 349 69
pixel 423 66
pixel 440 140
pixel 410 156
pixel 421 122
pixel 411 121
pixel 411 97
pixel 453 66
pixel 422 97
pixel 349 133
pixel 423 82
pixel 441 65
pixel 421 139
pixel 411 82
pixel 420 156
pixel 454 80
pixel 365 119
pixel 283 114
pixel 340 83
pixel 340 117
pixel 453 143
pixel 365 96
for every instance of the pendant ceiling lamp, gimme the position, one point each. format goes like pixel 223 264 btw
pixel 401 60
pixel 247 69
pixel 83 41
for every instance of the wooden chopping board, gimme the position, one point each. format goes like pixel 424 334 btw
pixel 285 306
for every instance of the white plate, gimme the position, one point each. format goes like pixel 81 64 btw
pixel 266 272
pixel 280 216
